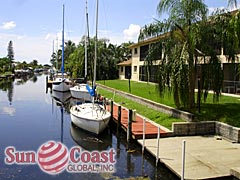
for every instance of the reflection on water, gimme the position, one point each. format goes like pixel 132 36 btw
pixel 90 141
pixel 7 85
pixel 29 117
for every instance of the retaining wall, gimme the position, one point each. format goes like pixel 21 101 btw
pixel 196 128
pixel 151 104
pixel 207 128
pixel 227 131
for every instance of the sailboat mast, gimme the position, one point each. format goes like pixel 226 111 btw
pixel 63 46
pixel 53 52
pixel 53 46
pixel 95 59
pixel 57 55
pixel 86 42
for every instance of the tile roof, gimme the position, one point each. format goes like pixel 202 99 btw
pixel 125 63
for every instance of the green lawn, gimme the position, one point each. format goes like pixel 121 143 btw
pixel 226 110
pixel 156 116
pixel 145 90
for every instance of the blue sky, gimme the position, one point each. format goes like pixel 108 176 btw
pixel 32 25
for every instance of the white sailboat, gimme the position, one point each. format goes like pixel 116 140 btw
pixel 90 116
pixel 61 84
pixel 80 91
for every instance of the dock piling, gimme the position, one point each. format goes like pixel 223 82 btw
pixel 144 131
pixel 111 109
pixel 183 158
pixel 158 138
pixel 119 118
pixel 134 114
pixel 129 128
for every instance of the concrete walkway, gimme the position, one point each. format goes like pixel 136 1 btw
pixel 206 157
pixel 224 94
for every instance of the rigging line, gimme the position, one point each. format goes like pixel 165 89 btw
pixel 105 11
pixel 81 23
pixel 92 17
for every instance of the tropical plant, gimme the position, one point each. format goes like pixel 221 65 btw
pixel 10 54
pixel 76 62
pixel 5 65
pixel 109 56
pixel 191 44
pixel 182 45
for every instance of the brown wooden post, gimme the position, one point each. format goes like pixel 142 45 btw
pixel 119 117
pixel 111 109
pixel 129 129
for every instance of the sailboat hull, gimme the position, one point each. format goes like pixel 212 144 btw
pixel 61 85
pixel 92 118
pixel 80 92
pixel 61 97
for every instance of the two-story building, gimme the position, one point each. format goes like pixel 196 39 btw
pixel 134 68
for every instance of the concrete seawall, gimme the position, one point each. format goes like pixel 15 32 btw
pixel 207 128
pixel 154 105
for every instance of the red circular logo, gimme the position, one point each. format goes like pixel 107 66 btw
pixel 52 157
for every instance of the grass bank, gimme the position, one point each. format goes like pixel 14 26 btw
pixel 226 110
pixel 156 116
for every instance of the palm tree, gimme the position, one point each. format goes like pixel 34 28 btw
pixel 69 48
pixel 76 62
pixel 182 23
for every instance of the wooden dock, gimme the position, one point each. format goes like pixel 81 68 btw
pixel 206 156
pixel 151 129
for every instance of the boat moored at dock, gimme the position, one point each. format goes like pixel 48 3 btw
pixel 91 117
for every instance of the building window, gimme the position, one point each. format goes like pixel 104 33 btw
pixel 135 51
pixel 121 68
pixel 143 52
pixel 135 68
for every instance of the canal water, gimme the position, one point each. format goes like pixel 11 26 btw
pixel 30 116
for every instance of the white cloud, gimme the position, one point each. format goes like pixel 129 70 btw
pixel 212 9
pixel 20 37
pixel 9 110
pixel 116 39
pixel 27 48
pixel 8 25
pixel 131 34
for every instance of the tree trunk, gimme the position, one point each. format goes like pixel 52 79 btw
pixel 191 82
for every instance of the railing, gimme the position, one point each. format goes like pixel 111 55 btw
pixel 227 87
pixel 143 77
pixel 231 86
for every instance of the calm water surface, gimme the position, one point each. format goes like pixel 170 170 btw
pixel 29 117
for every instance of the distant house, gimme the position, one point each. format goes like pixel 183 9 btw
pixel 125 69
